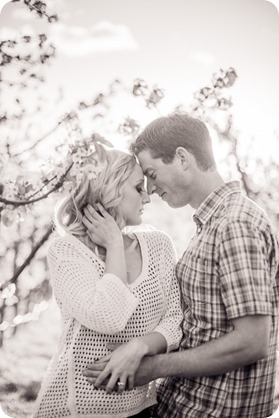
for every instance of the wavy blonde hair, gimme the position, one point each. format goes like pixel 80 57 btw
pixel 106 188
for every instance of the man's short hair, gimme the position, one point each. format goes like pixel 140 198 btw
pixel 164 135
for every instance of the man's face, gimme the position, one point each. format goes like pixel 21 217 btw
pixel 169 181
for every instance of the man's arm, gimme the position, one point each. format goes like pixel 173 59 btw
pixel 246 344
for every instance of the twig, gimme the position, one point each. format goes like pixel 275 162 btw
pixel 19 154
pixel 28 202
pixel 43 186
pixel 31 255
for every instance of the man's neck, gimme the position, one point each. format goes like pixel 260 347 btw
pixel 205 184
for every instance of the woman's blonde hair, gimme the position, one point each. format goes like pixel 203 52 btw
pixel 106 189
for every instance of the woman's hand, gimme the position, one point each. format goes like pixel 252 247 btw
pixel 101 227
pixel 104 232
pixel 120 366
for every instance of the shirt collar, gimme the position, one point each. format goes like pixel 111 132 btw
pixel 214 200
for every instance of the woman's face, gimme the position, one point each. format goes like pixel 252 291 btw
pixel 134 198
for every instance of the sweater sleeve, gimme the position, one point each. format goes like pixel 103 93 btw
pixel 170 323
pixel 102 303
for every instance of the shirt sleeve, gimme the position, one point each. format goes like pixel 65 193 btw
pixel 246 280
pixel 102 303
pixel 170 323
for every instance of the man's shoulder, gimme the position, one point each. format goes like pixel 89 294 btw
pixel 238 209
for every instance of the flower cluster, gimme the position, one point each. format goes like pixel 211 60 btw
pixel 92 170
pixel 91 166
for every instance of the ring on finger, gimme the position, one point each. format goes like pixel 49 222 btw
pixel 121 385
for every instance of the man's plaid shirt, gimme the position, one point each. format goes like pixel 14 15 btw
pixel 229 270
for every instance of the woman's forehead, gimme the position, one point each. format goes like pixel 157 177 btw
pixel 137 174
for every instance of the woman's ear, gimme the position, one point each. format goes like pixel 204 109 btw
pixel 183 156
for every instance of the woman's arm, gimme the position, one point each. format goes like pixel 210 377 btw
pixel 100 302
pixel 123 363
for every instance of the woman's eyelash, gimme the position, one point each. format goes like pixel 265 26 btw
pixel 141 189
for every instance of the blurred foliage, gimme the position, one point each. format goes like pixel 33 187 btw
pixel 259 177
pixel 36 169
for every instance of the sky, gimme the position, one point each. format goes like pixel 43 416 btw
pixel 175 44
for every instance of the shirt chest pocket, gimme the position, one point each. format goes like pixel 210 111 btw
pixel 198 279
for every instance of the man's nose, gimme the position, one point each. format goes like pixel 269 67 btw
pixel 150 187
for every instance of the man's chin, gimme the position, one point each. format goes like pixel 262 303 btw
pixel 176 205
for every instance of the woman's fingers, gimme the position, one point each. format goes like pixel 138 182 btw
pixel 130 384
pixel 89 374
pixel 91 214
pixel 102 210
pixel 102 377
pixel 121 383
pixel 113 346
pixel 92 381
pixel 96 366
pixel 104 359
pixel 86 222
pixel 116 383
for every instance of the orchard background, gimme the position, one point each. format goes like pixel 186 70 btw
pixel 42 156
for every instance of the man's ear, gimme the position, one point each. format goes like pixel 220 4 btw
pixel 183 156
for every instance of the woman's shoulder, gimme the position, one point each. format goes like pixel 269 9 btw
pixel 63 245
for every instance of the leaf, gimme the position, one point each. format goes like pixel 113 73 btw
pixel 97 138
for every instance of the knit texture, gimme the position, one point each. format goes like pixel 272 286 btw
pixel 97 309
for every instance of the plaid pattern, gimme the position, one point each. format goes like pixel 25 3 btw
pixel 229 270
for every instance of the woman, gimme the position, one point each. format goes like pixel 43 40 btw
pixel 113 287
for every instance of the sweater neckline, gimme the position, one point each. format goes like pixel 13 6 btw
pixel 144 257
pixel 144 261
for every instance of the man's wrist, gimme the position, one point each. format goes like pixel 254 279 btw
pixel 155 369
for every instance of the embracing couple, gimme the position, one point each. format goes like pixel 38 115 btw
pixel 143 334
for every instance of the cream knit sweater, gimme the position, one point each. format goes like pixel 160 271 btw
pixel 97 309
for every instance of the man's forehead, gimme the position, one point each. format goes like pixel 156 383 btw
pixel 146 160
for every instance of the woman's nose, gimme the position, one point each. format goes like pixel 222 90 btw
pixel 146 198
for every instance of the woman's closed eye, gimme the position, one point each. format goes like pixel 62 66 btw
pixel 141 189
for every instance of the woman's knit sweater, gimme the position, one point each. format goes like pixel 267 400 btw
pixel 98 308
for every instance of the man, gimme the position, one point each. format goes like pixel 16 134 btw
pixel 229 283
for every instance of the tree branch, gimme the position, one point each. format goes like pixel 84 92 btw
pixel 28 202
pixel 19 154
pixel 31 255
